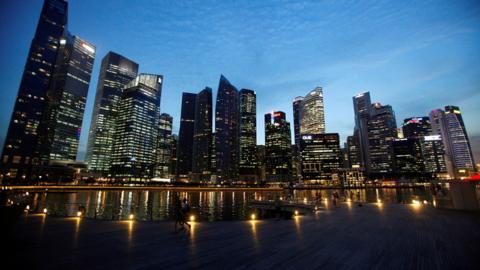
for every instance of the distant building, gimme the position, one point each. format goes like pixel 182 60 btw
pixel 382 129
pixel 173 159
pixel 66 99
pixel 136 129
pixel 202 137
pixel 185 137
pixel 297 105
pixel 321 158
pixel 18 156
pixel 406 154
pixel 416 127
pixel 450 126
pixel 312 113
pixel 226 131
pixel 115 72
pixel 261 168
pixel 278 154
pixel 164 148
pixel 433 154
pixel 353 152
pixel 362 109
pixel 248 136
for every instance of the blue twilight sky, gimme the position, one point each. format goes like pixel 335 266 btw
pixel 413 55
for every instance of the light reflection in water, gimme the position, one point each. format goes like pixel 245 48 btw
pixel 206 205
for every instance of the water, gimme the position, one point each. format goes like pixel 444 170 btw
pixel 206 205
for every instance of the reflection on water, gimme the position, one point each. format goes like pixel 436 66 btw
pixel 206 205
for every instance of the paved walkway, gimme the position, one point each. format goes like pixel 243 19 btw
pixel 370 237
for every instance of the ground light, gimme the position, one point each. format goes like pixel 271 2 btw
pixel 192 218
pixel 379 201
pixel 425 202
pixel 79 214
pixel 253 216
pixel 131 216
pixel 45 210
pixel 296 212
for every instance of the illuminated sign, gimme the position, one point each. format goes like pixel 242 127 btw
pixel 433 138
pixel 306 137
pixel 457 111
pixel 159 79
pixel 63 41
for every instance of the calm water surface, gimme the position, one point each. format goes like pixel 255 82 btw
pixel 206 205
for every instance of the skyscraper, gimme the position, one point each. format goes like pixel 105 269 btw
pixel 433 154
pixel 136 129
pixel 164 147
pixel 353 152
pixel 382 129
pixel 457 142
pixel 202 136
pixel 115 72
pixel 297 104
pixel 185 137
pixel 66 99
pixel 22 136
pixel 362 106
pixel 278 151
pixel 416 127
pixel 320 157
pixel 248 135
pixel 312 115
pixel 226 130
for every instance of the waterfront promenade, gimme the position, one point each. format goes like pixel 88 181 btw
pixel 375 236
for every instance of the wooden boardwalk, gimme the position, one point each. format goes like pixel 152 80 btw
pixel 347 237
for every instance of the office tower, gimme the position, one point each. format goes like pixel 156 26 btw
pixel 406 155
pixel 278 152
pixel 164 147
pixel 247 136
pixel 185 137
pixel 457 140
pixel 416 127
pixel 22 135
pixel 312 115
pixel 362 108
pixel 261 169
pixel 297 104
pixel 353 152
pixel 296 159
pixel 66 99
pixel 115 72
pixel 226 130
pixel 202 136
pixel 382 129
pixel 136 129
pixel 320 157
pixel 433 154
pixel 173 159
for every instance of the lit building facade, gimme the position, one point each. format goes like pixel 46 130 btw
pixel 136 129
pixel 353 152
pixel 247 136
pixel 433 154
pixel 115 72
pixel 21 140
pixel 405 157
pixel 226 131
pixel 321 159
pixel 362 109
pixel 66 99
pixel 202 136
pixel 382 130
pixel 164 147
pixel 278 152
pixel 185 137
pixel 312 113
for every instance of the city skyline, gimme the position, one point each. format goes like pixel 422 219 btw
pixel 288 78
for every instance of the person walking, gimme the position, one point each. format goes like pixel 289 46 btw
pixel 185 211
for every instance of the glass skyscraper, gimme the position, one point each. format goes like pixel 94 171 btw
pixel 248 136
pixel 164 147
pixel 321 157
pixel 226 131
pixel 382 130
pixel 278 151
pixel 136 129
pixel 185 137
pixel 202 136
pixel 66 100
pixel 22 137
pixel 362 109
pixel 312 113
pixel 115 72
